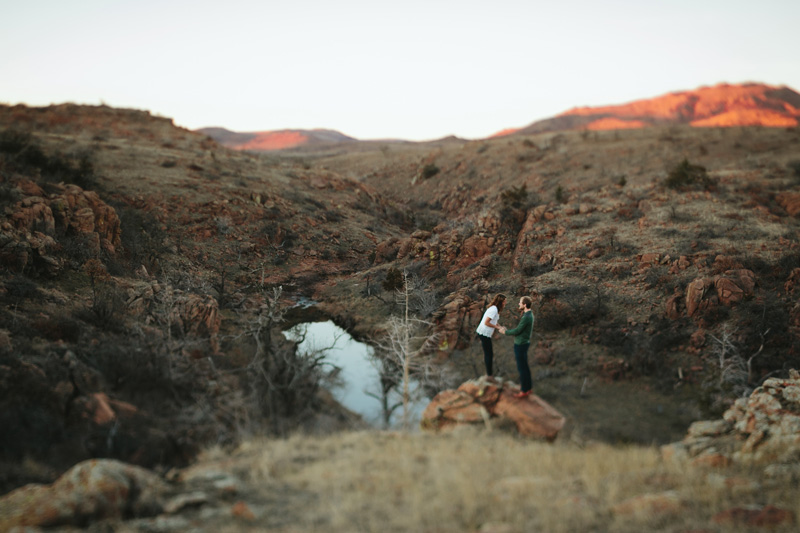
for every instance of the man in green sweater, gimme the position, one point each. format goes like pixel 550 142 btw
pixel 522 341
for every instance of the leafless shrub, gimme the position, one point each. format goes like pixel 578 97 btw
pixel 282 380
pixel 404 351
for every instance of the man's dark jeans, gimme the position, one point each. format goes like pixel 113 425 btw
pixel 521 355
pixel 488 352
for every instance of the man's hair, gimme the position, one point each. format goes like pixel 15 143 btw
pixel 498 300
pixel 527 302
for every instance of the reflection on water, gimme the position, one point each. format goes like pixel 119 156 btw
pixel 359 376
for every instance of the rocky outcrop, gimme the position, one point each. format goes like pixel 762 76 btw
pixel 69 209
pixel 91 490
pixel 491 402
pixel 20 250
pixel 762 428
pixel 455 319
pixel 526 239
pixel 33 214
pixel 198 316
pixel 727 289
pixel 83 212
pixel 35 223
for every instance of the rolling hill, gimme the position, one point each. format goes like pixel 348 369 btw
pixel 723 105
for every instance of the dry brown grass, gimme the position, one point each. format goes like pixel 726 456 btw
pixel 476 481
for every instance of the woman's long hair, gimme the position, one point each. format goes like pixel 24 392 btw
pixel 499 300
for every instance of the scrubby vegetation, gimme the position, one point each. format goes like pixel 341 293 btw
pixel 685 175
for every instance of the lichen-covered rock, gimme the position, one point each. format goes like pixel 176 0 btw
pixel 764 427
pixel 94 489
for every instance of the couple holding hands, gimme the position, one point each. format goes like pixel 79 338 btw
pixel 522 338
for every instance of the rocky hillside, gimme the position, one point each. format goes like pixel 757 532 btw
pixel 723 105
pixel 146 270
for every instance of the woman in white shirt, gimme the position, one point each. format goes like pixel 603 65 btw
pixel 486 330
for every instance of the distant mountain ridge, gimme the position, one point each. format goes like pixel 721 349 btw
pixel 275 140
pixel 723 105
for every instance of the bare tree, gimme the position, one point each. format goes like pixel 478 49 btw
pixel 735 373
pixel 405 350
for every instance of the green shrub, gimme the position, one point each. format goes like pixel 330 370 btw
pixel 686 175
pixel 561 195
pixel 394 280
pixel 429 171
pixel 515 197
pixel 514 209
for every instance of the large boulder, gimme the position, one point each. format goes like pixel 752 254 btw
pixel 727 289
pixel 491 402
pixel 93 489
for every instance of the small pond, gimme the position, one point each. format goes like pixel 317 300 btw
pixel 359 388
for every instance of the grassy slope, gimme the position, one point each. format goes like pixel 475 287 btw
pixel 474 480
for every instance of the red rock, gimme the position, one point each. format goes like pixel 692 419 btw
pixel 94 489
pixel 649 258
pixel 29 188
pixel 387 250
pixel 696 295
pixel 792 281
pixel 698 339
pixel 673 306
pixel 456 321
pixel 243 511
pixel 789 201
pixel 767 516
pixel 482 401
pixel 33 214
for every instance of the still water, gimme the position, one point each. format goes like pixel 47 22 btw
pixel 358 374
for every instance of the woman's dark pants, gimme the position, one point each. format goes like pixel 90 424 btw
pixel 521 355
pixel 488 352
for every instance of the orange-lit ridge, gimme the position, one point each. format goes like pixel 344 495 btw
pixel 723 105
pixel 720 105
pixel 274 140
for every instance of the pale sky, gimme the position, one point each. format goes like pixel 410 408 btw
pixel 410 69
